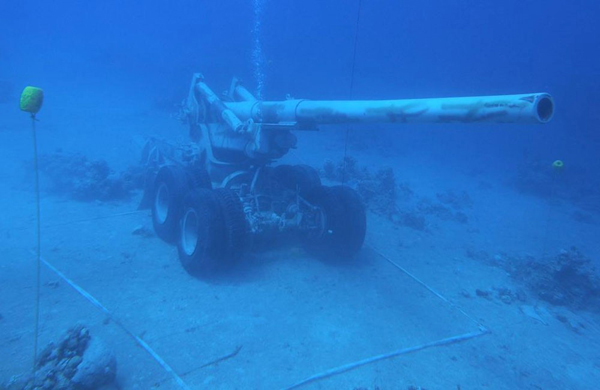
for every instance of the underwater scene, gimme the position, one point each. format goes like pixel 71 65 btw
pixel 299 194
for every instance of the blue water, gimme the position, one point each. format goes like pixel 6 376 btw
pixel 114 72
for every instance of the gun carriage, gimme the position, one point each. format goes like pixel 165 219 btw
pixel 217 194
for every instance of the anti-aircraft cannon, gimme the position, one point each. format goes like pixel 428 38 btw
pixel 214 196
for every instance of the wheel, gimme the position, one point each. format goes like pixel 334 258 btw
pixel 170 184
pixel 146 201
pixel 309 177
pixel 345 221
pixel 302 178
pixel 213 231
pixel 199 177
pixel 200 245
pixel 234 222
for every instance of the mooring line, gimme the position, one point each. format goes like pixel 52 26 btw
pixel 138 340
pixel 422 283
pixel 38 246
pixel 66 223
pixel 404 351
pixel 446 341
pixel 212 362
pixel 96 218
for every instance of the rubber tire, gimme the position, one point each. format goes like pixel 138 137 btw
pixel 199 177
pixel 234 224
pixel 208 233
pixel 345 221
pixel 301 177
pixel 174 181
pixel 220 231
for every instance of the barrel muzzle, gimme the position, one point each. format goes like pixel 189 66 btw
pixel 544 107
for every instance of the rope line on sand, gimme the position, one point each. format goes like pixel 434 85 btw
pixel 87 219
pixel 422 283
pixel 446 341
pixel 212 362
pixel 137 339
pixel 404 351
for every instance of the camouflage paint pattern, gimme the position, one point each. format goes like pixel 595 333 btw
pixel 526 108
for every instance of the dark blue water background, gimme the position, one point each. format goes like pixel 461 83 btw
pixel 404 49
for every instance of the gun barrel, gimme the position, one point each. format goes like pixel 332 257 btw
pixel 523 108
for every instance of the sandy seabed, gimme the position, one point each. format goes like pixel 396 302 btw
pixel 294 315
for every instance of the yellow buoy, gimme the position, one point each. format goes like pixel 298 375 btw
pixel 32 99
pixel 558 165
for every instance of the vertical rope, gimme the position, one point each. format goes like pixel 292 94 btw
pixel 351 85
pixel 548 226
pixel 38 244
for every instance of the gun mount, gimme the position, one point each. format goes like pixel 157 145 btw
pixel 218 193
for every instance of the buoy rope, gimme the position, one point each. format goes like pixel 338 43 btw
pixel 37 246
pixel 551 209
pixel 356 29
pixel 80 290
